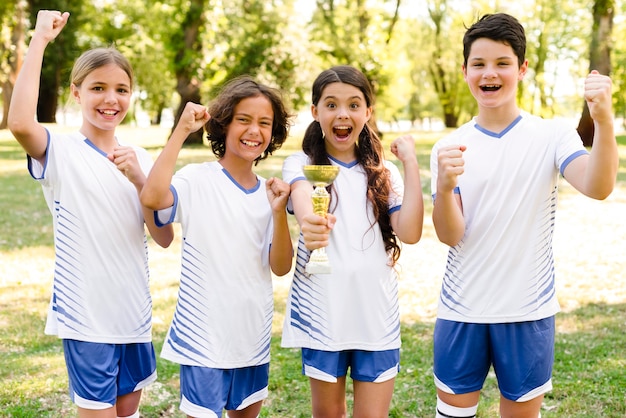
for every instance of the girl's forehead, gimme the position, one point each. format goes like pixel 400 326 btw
pixel 109 74
pixel 339 89
pixel 255 105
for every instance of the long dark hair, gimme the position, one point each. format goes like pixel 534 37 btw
pixel 369 151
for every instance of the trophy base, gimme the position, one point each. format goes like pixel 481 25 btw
pixel 313 267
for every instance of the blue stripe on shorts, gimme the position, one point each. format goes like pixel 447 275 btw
pixel 365 366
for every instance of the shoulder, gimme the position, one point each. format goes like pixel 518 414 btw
pixel 195 169
pixel 298 157
pixel 454 136
pixel 389 165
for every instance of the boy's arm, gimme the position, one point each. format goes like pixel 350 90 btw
pixel 407 223
pixel 156 193
pixel 448 209
pixel 21 117
pixel 281 251
pixel 595 174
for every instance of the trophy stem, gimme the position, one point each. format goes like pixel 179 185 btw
pixel 320 176
pixel 318 262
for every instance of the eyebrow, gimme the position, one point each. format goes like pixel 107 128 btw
pixel 504 57
pixel 249 116
pixel 349 98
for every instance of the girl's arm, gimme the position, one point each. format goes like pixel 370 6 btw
pixel 156 193
pixel 315 229
pixel 407 223
pixel 21 118
pixel 281 251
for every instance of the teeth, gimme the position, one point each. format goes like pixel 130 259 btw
pixel 109 112
pixel 250 143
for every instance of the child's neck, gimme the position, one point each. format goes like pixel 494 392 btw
pixel 104 140
pixel 497 120
pixel 240 171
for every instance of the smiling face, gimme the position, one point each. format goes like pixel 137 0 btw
pixel 250 132
pixel 104 96
pixel 492 74
pixel 342 112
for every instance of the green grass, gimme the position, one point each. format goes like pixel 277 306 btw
pixel 589 375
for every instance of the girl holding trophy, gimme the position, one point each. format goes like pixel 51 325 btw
pixel 344 312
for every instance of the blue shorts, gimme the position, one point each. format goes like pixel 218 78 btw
pixel 365 366
pixel 206 392
pixel 100 373
pixel 522 355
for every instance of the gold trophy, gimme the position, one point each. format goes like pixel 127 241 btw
pixel 320 176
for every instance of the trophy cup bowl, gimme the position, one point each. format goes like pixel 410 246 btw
pixel 320 176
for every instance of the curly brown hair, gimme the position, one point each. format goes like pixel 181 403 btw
pixel 222 111
pixel 369 152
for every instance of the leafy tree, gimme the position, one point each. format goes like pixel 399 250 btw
pixel 359 33
pixel 13 34
pixel 257 38
pixel 59 55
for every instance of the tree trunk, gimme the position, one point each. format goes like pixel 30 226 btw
pixel 18 39
pixel 189 49
pixel 48 100
pixel 599 58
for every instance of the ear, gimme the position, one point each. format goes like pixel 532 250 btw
pixel 314 112
pixel 368 113
pixel 464 70
pixel 75 91
pixel 522 71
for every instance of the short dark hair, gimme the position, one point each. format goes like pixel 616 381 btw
pixel 497 27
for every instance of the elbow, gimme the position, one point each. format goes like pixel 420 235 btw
pixel 601 195
pixel 602 192
pixel 412 238
pixel 163 242
pixel 164 236
pixel 450 241
pixel 148 199
pixel 282 270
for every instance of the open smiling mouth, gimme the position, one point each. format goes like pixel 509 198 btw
pixel 108 112
pixel 250 144
pixel 490 87
pixel 342 131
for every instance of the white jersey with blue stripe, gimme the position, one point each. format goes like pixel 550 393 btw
pixel 356 306
pixel 223 316
pixel 101 286
pixel 502 270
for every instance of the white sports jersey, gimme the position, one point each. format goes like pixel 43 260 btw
pixel 356 306
pixel 502 270
pixel 223 316
pixel 101 286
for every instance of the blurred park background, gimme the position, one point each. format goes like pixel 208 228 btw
pixel 411 51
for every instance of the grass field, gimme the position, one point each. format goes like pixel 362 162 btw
pixel 590 369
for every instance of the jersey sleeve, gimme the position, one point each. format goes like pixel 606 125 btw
pixel 569 146
pixel 396 193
